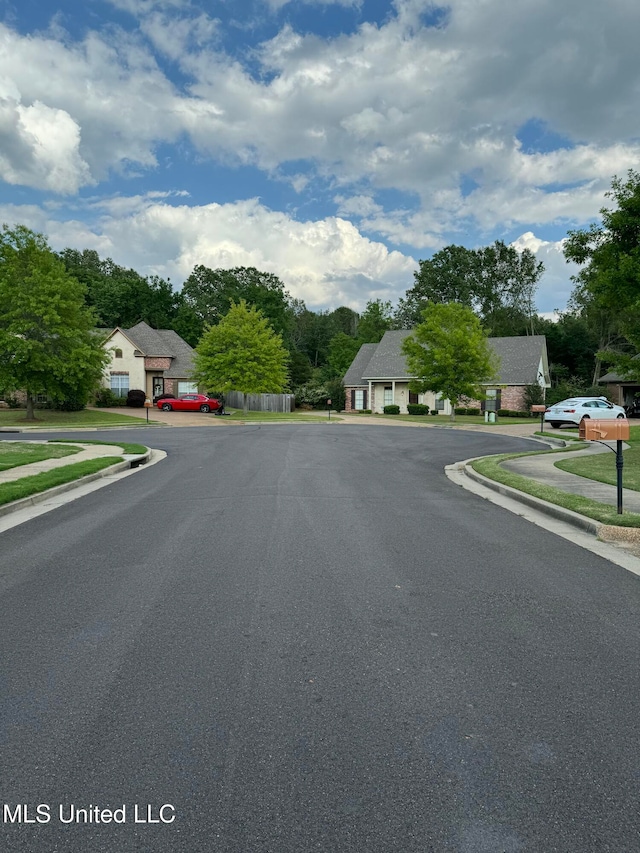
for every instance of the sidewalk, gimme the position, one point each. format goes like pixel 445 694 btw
pixel 93 451
pixel 543 470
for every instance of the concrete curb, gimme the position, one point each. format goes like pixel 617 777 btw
pixel 588 525
pixel 128 461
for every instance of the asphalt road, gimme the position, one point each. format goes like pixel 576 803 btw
pixel 305 638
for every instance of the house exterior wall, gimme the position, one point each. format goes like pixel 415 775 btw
pixel 157 363
pixel 131 364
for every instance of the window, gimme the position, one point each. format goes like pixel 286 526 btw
pixel 440 404
pixel 413 398
pixel 118 353
pixel 120 384
pixel 187 388
pixel 359 400
pixel 388 395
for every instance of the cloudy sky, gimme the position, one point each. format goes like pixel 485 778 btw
pixel 332 142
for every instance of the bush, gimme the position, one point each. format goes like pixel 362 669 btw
pixel 504 413
pixel 214 395
pixel 71 403
pixel 460 411
pixel 434 411
pixel 307 395
pixel 417 409
pixel 391 410
pixel 136 398
pixel 105 399
pixel 533 396
pixel 473 412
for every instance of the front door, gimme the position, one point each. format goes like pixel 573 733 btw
pixel 158 386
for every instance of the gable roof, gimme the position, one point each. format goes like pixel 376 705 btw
pixel 520 360
pixel 162 343
pixel 353 376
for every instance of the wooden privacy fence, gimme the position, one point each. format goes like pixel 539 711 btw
pixel 260 402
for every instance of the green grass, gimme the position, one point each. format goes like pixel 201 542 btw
pixel 28 486
pixel 313 417
pixel 490 467
pixel 127 447
pixel 602 467
pixel 49 418
pixel 445 420
pixel 13 454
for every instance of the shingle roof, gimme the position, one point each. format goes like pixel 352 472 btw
pixel 519 360
pixel 388 362
pixel 353 376
pixel 163 343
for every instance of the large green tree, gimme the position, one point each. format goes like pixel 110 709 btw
pixel 242 353
pixel 210 294
pixel 608 283
pixel 48 343
pixel 497 281
pixel 449 353
pixel 120 296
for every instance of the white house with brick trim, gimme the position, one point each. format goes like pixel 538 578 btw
pixel 378 375
pixel 156 361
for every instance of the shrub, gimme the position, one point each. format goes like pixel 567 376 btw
pixel 472 411
pixel 503 413
pixel 105 398
pixel 136 398
pixel 215 395
pixel 460 411
pixel 391 410
pixel 434 411
pixel 417 409
pixel 533 396
pixel 307 395
pixel 71 403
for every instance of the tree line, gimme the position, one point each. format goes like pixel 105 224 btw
pixel 497 283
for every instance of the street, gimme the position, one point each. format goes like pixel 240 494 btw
pixel 305 638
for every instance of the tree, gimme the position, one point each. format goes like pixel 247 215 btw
pixel 608 285
pixel 242 353
pixel 374 321
pixel 497 281
pixel 342 351
pixel 210 293
pixel 119 296
pixel 448 353
pixel 48 343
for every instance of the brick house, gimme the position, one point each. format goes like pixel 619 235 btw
pixel 378 375
pixel 156 361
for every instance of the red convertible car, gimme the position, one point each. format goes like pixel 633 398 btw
pixel 189 403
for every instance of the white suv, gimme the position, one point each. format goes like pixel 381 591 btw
pixel 575 409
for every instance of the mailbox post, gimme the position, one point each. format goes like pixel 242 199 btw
pixel 329 407
pixel 147 405
pixel 541 409
pixel 602 431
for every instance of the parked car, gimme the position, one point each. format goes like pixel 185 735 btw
pixel 575 409
pixel 189 403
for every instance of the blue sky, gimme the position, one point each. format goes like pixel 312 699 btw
pixel 332 143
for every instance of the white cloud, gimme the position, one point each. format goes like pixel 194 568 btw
pixel 325 262
pixel 555 286
pixel 39 147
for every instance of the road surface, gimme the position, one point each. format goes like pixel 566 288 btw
pixel 297 638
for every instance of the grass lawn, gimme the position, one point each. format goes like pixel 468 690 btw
pixel 127 447
pixel 48 418
pixel 28 486
pixel 313 417
pixel 603 466
pixel 445 420
pixel 490 467
pixel 16 453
